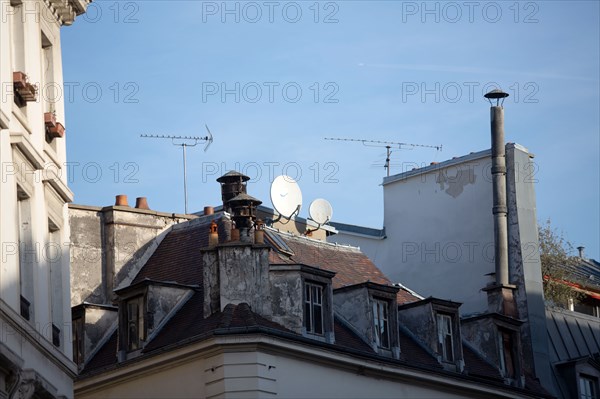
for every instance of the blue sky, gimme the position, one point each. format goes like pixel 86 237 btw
pixel 272 79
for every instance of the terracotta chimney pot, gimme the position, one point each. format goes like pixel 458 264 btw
pixel 141 203
pixel 121 200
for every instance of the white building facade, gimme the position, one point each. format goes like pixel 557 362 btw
pixel 438 238
pixel 35 327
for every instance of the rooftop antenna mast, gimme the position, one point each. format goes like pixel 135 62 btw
pixel 388 146
pixel 184 142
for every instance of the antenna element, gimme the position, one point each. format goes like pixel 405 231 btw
pixel 183 142
pixel 388 146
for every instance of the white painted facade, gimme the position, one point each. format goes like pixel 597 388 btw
pixel 254 366
pixel 35 349
pixel 438 230
pixel 439 238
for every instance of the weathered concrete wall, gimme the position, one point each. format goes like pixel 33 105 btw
pixel 210 281
pixel 236 273
pixel 98 323
pixel 244 277
pixel 421 322
pixel 161 302
pixel 87 271
pixel 287 299
pixel 354 306
pixel 110 246
pixel 482 334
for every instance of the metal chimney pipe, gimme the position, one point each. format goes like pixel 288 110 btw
pixel 499 209
pixel 581 250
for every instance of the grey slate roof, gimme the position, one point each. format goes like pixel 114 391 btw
pixel 571 336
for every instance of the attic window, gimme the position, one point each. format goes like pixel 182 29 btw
pixel 445 337
pixel 135 323
pixel 381 321
pixel 313 308
pixel 588 387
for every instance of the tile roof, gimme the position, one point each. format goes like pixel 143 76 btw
pixel 177 258
pixel 106 355
pixel 477 366
pixel 351 265
pixel 413 353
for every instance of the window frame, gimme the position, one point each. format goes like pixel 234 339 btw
pixel 510 336
pixel 139 322
pixel 592 384
pixel 446 321
pixel 310 305
pixel 381 321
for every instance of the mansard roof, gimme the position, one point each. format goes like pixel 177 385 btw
pixel 178 260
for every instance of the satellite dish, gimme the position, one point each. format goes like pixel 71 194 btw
pixel 320 211
pixel 286 196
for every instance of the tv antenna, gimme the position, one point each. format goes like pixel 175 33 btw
pixel 388 146
pixel 184 142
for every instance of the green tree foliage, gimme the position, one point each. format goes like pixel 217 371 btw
pixel 557 266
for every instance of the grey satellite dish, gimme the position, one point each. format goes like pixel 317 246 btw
pixel 286 196
pixel 320 211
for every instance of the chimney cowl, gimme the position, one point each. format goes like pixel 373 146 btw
pixel 581 250
pixel 232 183
pixel 243 207
pixel 233 176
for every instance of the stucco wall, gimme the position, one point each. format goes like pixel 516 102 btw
pixel 28 159
pixel 263 373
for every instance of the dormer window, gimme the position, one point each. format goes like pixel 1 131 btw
pixel 313 308
pixel 445 337
pixel 381 321
pixel 135 323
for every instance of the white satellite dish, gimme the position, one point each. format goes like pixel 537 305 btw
pixel 286 196
pixel 320 211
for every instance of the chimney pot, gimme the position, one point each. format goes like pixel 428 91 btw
pixel 581 250
pixel 213 236
pixel 209 210
pixel 141 203
pixel 121 200
pixel 259 234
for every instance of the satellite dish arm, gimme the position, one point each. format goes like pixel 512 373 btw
pixel 296 212
pixel 309 231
